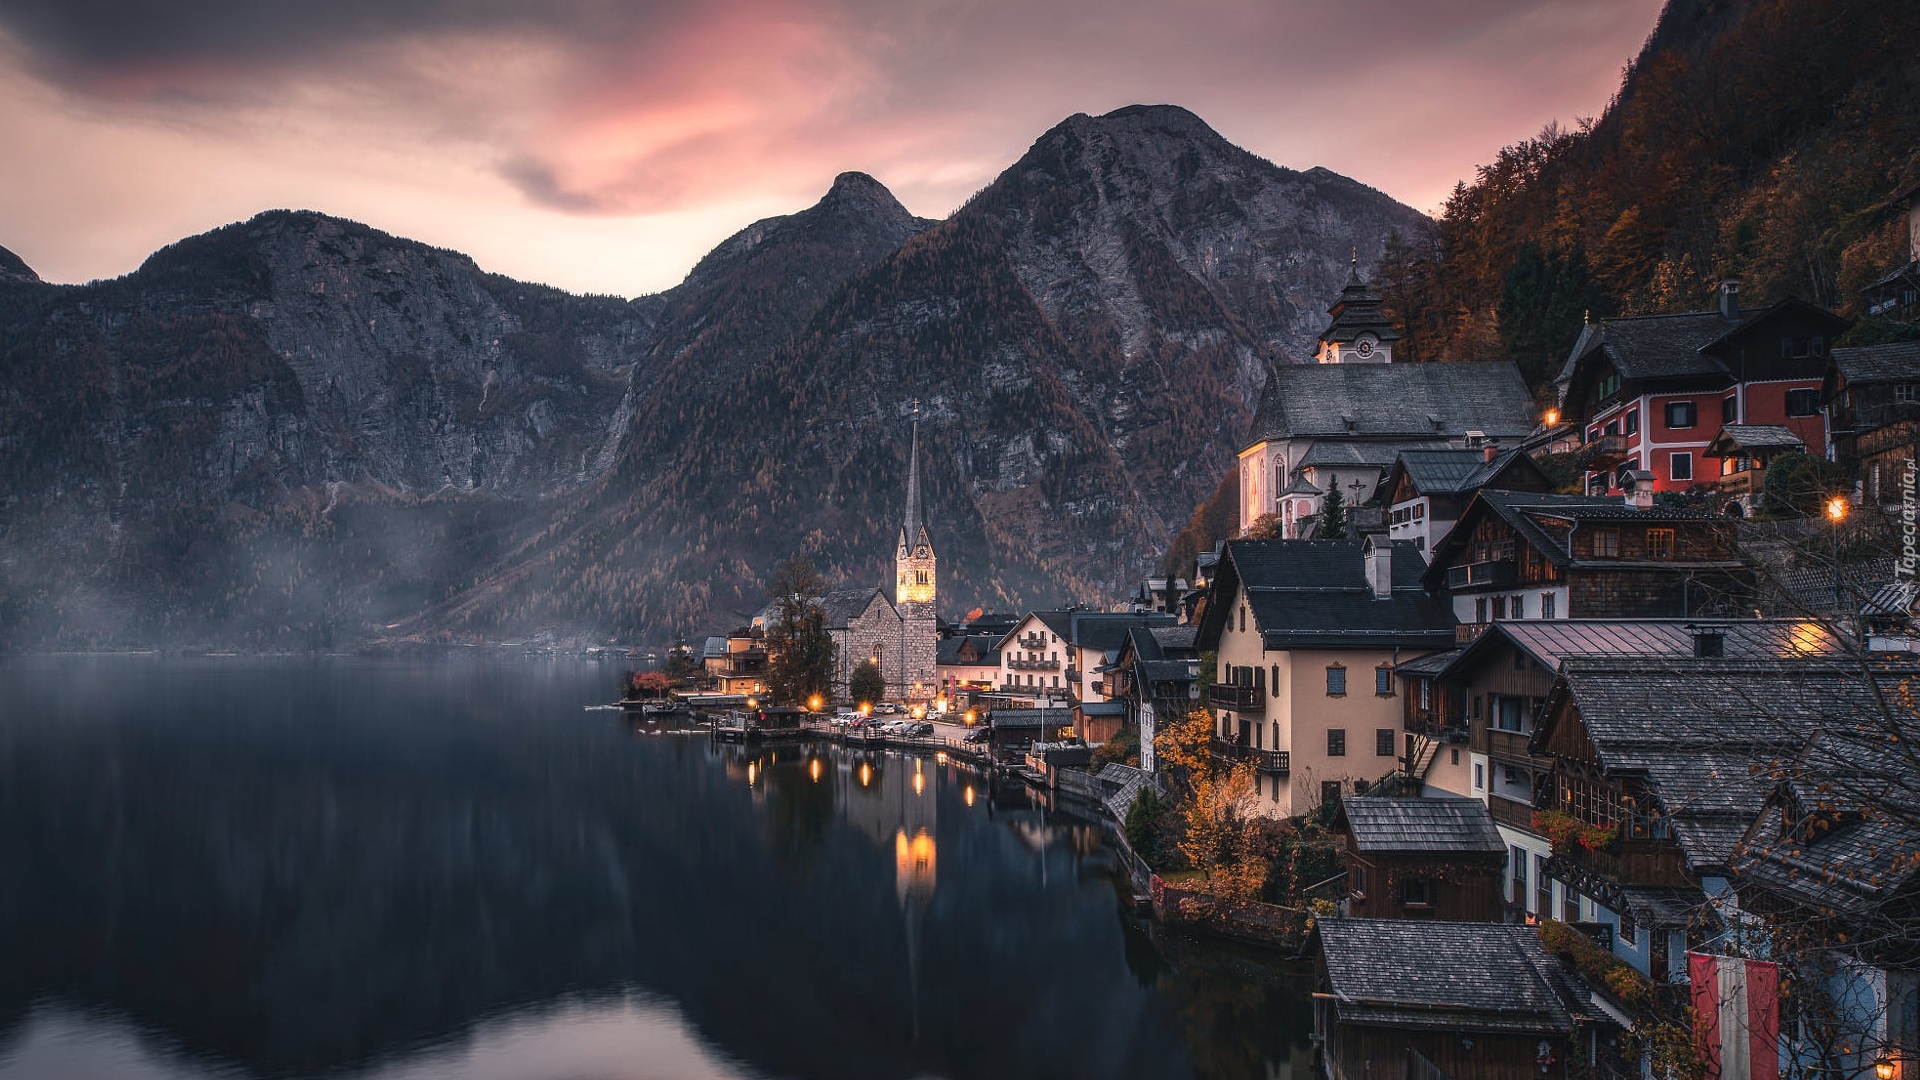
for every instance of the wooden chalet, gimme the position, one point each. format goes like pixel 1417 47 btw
pixel 1744 451
pixel 1403 1000
pixel 1417 858
pixel 1156 677
pixel 1520 555
pixel 1873 403
pixel 1650 391
pixel 1659 770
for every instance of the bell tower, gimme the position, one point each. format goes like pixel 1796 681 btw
pixel 915 586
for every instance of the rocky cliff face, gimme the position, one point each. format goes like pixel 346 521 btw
pixel 298 430
pixel 1086 336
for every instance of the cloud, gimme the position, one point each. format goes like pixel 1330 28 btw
pixel 613 109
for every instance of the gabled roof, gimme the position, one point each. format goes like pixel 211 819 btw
pixel 951 651
pixel 1528 513
pixel 1654 346
pixel 843 605
pixel 1867 364
pixel 1552 641
pixel 1451 976
pixel 1703 735
pixel 715 647
pixel 1357 312
pixel 1315 593
pixel 1747 438
pixel 1332 455
pixel 1417 401
pixel 1414 824
pixel 1103 630
pixel 1457 471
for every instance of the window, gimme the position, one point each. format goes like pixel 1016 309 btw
pixel 1803 402
pixel 1606 543
pixel 1358 880
pixel 1627 930
pixel 1570 903
pixel 1659 543
pixel 1419 511
pixel 1329 792
pixel 1336 681
pixel 1499 607
pixel 1479 776
pixel 1519 607
pixel 1383 741
pixel 1906 393
pixel 1416 892
pixel 1546 605
pixel 1480 610
pixel 1517 867
pixel 1275 681
pixel 1609 386
pixel 1730 409
pixel 1682 414
pixel 1454 759
pixel 1542 888
pixel 1680 466
pixel 1510 714
pixel 1613 427
pixel 1336 743
pixel 1632 426
pixel 1383 681
pixel 1243 618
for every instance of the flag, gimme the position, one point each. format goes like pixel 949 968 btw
pixel 1736 1005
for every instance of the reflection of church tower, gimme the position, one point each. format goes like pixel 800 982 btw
pixel 914 585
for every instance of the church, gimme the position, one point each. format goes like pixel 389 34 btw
pixel 901 634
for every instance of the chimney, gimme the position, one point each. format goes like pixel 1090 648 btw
pixel 1489 452
pixel 1639 488
pixel 1730 299
pixel 1378 551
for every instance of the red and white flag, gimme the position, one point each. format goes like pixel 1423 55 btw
pixel 1736 1005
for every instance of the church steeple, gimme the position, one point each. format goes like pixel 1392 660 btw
pixel 1360 332
pixel 913 557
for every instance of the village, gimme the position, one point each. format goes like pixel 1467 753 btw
pixel 1569 738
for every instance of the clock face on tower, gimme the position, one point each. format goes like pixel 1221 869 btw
pixel 1363 346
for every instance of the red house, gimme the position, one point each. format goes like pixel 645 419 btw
pixel 1650 392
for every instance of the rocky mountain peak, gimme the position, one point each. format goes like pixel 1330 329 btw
pixel 14 269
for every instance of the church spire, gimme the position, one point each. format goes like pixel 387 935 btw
pixel 910 532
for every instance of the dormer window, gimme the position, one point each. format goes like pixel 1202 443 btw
pixel 1609 386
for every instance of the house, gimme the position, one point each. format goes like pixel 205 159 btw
pixel 1744 451
pixel 1344 419
pixel 1659 771
pixel 1427 489
pixel 964 664
pixel 1460 1000
pixel 1520 555
pixel 1307 633
pixel 1018 729
pixel 1417 858
pixel 1159 594
pixel 1157 679
pixel 1897 295
pixel 737 663
pixel 1651 391
pixel 1833 856
pixel 1062 653
pixel 1873 403
pixel 1475 739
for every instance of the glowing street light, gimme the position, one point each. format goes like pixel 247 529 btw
pixel 814 703
pixel 1883 1069
pixel 1837 508
pixel 1551 417
pixel 1836 513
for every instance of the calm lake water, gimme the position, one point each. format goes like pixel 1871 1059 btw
pixel 452 870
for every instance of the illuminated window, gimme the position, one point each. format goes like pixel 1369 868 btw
pixel 1659 543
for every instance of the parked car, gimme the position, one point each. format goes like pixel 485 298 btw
pixel 978 735
pixel 921 729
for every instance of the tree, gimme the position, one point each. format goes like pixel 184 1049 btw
pixel 800 650
pixel 867 684
pixel 1222 834
pixel 644 684
pixel 1333 512
pixel 1798 485
pixel 1264 527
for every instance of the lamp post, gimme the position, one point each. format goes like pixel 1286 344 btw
pixel 1836 513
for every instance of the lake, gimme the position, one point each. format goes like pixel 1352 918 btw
pixel 454 869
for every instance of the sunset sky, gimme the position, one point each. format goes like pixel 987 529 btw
pixel 604 145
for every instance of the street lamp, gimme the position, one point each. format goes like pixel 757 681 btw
pixel 1836 513
pixel 1883 1069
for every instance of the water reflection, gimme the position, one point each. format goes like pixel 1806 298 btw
pixel 360 868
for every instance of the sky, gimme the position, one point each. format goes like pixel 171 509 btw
pixel 605 145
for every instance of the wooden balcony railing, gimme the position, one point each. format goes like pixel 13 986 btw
pixel 1603 452
pixel 1034 665
pixel 1279 762
pixel 1510 812
pixel 1504 574
pixel 1244 699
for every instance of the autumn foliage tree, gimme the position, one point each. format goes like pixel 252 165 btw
pixel 1222 833
pixel 800 651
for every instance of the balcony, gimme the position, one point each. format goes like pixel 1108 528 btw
pixel 1438 725
pixel 1511 745
pixel 1490 574
pixel 1073 674
pixel 1602 453
pixel 1241 699
pixel 1034 665
pixel 1640 862
pixel 1031 641
pixel 1466 632
pixel 1510 812
pixel 1738 483
pixel 1277 762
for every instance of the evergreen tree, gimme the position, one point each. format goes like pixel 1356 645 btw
pixel 800 649
pixel 867 685
pixel 1333 512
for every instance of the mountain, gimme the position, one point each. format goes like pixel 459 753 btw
pixel 1759 140
pixel 1086 336
pixel 14 270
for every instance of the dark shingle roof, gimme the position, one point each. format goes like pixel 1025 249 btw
pixel 1896 362
pixel 842 605
pixel 948 650
pixel 1655 346
pixel 1415 824
pixel 1431 664
pixel 1551 641
pixel 1305 593
pixel 1755 437
pixel 1420 401
pixel 1331 455
pixel 1459 976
